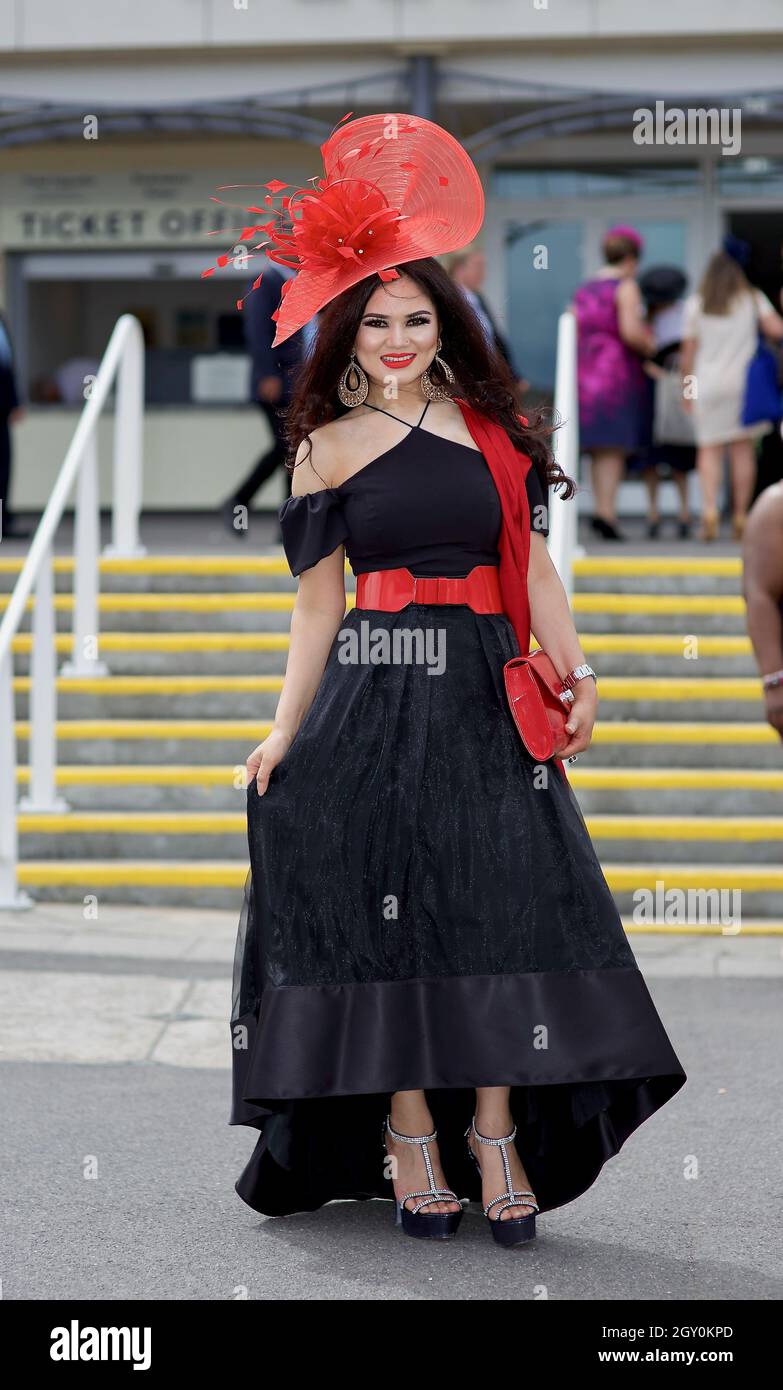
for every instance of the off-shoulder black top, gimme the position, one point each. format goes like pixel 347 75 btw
pixel 427 503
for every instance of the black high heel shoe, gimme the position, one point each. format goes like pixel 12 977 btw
pixel 441 1225
pixel 519 1228
pixel 606 529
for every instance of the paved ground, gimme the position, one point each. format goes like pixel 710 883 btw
pixel 114 1042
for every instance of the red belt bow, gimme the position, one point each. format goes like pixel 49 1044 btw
pixel 388 591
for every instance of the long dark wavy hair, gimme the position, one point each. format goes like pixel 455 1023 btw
pixel 483 377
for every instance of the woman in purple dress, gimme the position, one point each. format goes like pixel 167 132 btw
pixel 612 338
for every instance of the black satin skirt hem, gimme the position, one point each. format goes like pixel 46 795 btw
pixel 584 1054
pixel 537 1028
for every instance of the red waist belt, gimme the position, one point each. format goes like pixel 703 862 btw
pixel 390 590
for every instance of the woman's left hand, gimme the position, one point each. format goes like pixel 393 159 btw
pixel 581 718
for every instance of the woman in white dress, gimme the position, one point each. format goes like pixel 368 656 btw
pixel 721 326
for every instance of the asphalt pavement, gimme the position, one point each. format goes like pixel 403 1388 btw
pixel 118 1164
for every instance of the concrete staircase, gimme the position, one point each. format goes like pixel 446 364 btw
pixel 682 786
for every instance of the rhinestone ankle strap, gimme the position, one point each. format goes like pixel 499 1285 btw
pixel 433 1193
pixel 511 1197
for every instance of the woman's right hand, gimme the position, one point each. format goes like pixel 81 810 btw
pixel 265 757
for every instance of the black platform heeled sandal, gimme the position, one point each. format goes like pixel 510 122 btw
pixel 517 1229
pixel 441 1225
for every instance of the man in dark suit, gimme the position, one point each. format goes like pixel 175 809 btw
pixel 468 271
pixel 272 377
pixel 10 412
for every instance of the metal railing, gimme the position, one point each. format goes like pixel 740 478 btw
pixel 563 516
pixel 123 360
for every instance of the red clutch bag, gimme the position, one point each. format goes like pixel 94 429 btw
pixel 539 703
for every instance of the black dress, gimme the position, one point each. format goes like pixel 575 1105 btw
pixel 424 907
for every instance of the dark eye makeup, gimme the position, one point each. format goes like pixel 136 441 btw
pixel 414 321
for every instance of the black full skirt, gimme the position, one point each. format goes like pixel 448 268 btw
pixel 424 908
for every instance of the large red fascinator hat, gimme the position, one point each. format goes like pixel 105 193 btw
pixel 395 188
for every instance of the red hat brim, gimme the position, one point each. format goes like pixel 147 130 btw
pixel 422 172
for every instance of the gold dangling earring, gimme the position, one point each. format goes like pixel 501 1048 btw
pixel 356 394
pixel 435 390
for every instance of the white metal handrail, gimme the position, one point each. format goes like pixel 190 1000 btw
pixel 123 360
pixel 563 516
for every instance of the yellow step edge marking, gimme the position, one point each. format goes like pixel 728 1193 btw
pixel 70 729
pixel 158 685
pixel 169 564
pixel 751 878
pixel 133 774
pixel 168 642
pixel 732 604
pixel 630 827
pixel 666 644
pixel 730 828
pixel 196 873
pixel 728 566
pixel 680 687
pixel 173 564
pixel 134 823
pixel 232 874
pixel 757 927
pixel 626 688
pixel 654 733
pixel 283 601
pixel 632 779
pixel 165 602
pixel 672 731
pixel 669 644
pixel 675 779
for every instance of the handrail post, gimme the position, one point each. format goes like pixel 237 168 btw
pixel 42 794
pixel 128 426
pixel 11 896
pixel 563 532
pixel 86 543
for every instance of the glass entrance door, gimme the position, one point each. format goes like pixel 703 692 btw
pixel 551 244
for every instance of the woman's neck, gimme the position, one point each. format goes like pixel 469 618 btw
pixel 409 398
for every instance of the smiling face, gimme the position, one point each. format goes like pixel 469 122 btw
pixel 398 333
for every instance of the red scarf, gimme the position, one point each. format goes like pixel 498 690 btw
pixel 509 471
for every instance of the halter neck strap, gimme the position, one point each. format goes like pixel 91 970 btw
pixel 397 418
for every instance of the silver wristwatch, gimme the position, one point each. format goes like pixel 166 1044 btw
pixel 578 674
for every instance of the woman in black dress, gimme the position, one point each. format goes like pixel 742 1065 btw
pixel 430 965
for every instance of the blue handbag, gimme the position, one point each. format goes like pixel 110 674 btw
pixel 763 398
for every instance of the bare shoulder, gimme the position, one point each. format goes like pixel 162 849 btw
pixel 334 451
pixel 315 461
pixel 446 418
pixel 767 510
